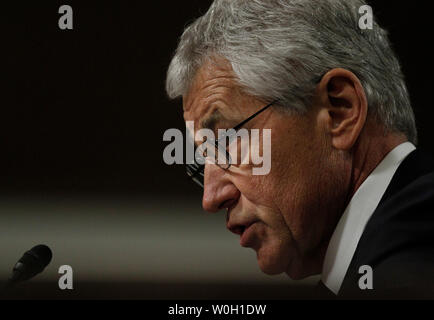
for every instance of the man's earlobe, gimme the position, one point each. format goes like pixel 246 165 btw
pixel 346 107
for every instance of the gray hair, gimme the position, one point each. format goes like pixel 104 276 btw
pixel 279 49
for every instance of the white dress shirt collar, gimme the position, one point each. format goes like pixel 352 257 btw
pixel 349 230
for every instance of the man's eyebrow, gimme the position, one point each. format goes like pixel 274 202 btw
pixel 210 121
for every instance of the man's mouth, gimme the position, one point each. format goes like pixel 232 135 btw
pixel 243 229
pixel 246 236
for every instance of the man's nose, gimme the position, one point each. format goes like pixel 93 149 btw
pixel 219 192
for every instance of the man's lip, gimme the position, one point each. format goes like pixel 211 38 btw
pixel 230 224
pixel 246 235
pixel 245 225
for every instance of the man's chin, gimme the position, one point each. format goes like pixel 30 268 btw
pixel 270 264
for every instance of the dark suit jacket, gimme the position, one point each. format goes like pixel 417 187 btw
pixel 398 241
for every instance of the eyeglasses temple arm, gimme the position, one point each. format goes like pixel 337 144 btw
pixel 253 115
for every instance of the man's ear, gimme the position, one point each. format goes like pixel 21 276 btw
pixel 344 107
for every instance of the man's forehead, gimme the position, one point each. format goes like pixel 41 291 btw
pixel 212 77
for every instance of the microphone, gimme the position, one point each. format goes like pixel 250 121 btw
pixel 31 263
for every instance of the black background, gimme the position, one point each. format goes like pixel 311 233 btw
pixel 84 110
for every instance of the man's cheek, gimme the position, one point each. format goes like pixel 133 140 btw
pixel 267 234
pixel 261 152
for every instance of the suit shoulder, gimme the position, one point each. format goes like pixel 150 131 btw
pixel 398 240
pixel 411 207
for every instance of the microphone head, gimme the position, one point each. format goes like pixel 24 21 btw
pixel 42 253
pixel 31 263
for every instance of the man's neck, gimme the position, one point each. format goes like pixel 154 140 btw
pixel 371 149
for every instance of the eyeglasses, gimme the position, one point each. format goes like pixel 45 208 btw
pixel 196 170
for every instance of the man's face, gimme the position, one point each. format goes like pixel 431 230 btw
pixel 288 215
